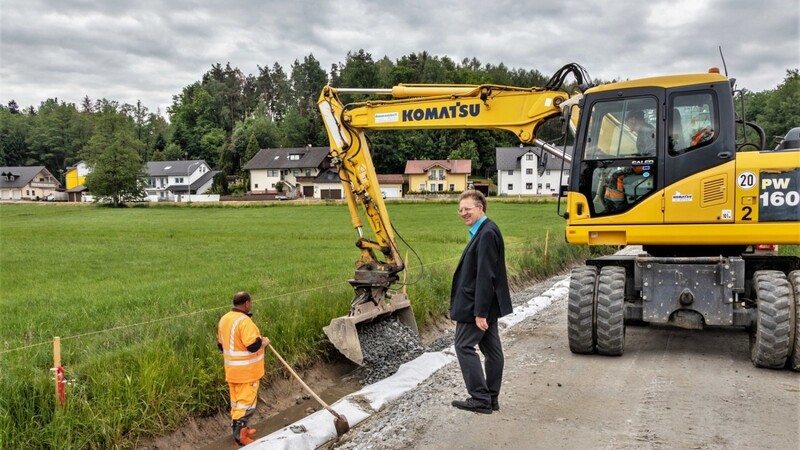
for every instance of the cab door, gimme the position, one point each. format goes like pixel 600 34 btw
pixel 619 153
pixel 699 161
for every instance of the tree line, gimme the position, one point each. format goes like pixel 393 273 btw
pixel 226 117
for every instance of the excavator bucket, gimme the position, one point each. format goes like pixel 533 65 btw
pixel 343 331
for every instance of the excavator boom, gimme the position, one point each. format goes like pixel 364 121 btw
pixel 411 106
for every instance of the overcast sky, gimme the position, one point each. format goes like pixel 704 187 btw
pixel 150 50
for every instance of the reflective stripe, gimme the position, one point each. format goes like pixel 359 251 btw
pixel 233 331
pixel 243 406
pixel 236 353
pixel 244 362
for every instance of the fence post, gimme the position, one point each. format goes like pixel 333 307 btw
pixel 59 372
pixel 546 237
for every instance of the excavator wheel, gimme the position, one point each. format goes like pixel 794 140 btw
pixel 794 359
pixel 769 342
pixel 611 311
pixel 580 314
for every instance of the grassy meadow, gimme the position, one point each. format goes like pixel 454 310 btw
pixel 135 295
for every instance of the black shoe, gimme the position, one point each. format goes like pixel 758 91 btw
pixel 495 405
pixel 473 405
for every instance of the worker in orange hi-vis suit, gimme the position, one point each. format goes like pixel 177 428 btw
pixel 242 347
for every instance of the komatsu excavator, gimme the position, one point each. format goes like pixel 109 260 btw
pixel 656 163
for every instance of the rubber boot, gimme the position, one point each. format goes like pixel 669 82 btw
pixel 241 433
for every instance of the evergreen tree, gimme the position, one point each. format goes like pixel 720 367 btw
pixel 117 170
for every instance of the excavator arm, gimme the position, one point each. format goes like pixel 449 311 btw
pixel 415 106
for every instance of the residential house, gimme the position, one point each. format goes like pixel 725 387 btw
pixel 75 180
pixel 327 185
pixel 296 168
pixel 391 185
pixel 27 183
pixel 438 175
pixel 530 171
pixel 170 181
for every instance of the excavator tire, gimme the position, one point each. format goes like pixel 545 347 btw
pixel 611 311
pixel 580 313
pixel 769 342
pixel 794 359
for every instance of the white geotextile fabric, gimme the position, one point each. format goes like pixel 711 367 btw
pixel 359 405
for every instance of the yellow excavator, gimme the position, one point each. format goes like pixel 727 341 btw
pixel 655 162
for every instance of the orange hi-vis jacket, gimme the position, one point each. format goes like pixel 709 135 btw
pixel 235 332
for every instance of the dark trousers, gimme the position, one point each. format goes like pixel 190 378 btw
pixel 468 335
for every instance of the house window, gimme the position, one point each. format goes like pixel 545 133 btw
pixel 539 186
pixel 528 186
pixel 294 157
pixel 179 179
pixel 529 171
pixel 547 172
pixel 256 185
pixel 452 187
pixel 511 172
pixel 510 187
pixel 295 172
pixel 273 173
pixel 529 157
pixel 436 174
pixel 308 172
pixel 547 186
pixel 422 186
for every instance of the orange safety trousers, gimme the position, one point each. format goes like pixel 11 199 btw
pixel 244 397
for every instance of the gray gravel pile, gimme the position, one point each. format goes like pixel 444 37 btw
pixel 442 342
pixel 386 344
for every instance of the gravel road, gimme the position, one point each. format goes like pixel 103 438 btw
pixel 672 388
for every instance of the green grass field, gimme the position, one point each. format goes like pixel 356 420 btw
pixel 135 295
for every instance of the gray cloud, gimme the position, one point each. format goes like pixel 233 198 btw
pixel 149 50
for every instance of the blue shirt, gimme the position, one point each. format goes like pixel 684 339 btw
pixel 474 228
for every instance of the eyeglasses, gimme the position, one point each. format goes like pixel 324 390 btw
pixel 463 210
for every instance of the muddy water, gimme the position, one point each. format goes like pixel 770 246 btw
pixel 346 386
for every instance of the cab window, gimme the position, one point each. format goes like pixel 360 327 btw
pixel 622 128
pixel 691 122
pixel 619 154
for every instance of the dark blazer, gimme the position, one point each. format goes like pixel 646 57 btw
pixel 480 283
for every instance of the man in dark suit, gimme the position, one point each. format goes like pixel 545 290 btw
pixel 479 296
